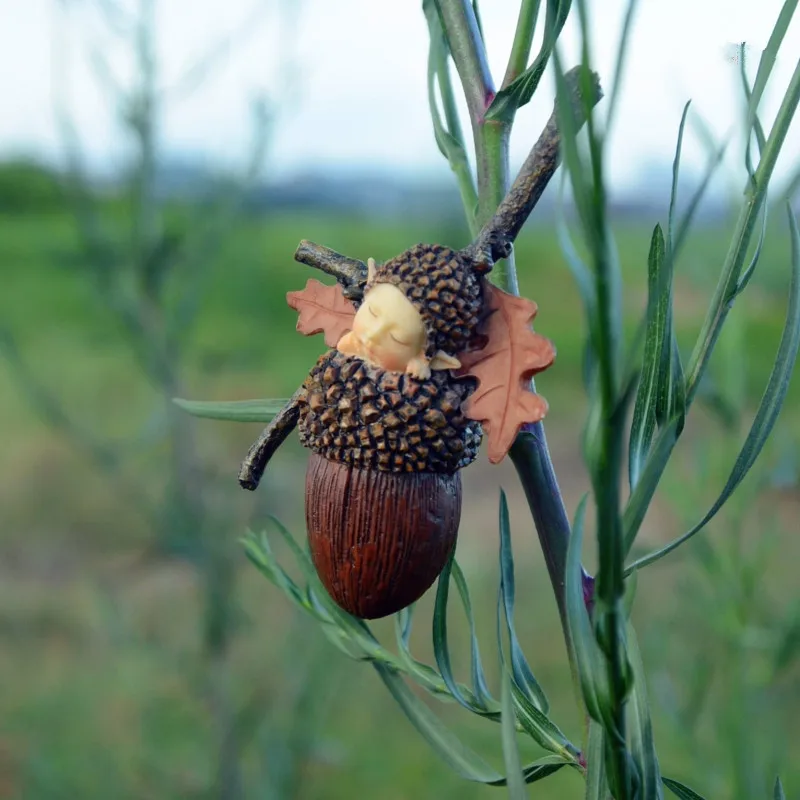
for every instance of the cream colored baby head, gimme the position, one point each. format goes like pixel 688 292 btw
pixel 388 332
pixel 389 328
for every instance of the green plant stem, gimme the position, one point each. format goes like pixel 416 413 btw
pixel 463 34
pixel 460 166
pixel 491 148
pixel 523 39
pixel 529 452
pixel 728 285
pixel 756 193
pixel 531 459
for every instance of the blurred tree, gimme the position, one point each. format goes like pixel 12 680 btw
pixel 136 255
pixel 26 185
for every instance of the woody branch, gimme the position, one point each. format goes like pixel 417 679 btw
pixel 493 243
pixel 496 238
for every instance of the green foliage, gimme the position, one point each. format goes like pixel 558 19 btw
pixel 602 644
pixel 233 410
pixel 27 186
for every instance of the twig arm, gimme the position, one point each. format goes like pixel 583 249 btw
pixel 350 272
pixel 271 438
pixel 496 238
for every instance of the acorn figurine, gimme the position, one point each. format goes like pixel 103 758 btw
pixel 383 418
pixel 425 358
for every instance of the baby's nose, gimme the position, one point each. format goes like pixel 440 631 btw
pixel 375 332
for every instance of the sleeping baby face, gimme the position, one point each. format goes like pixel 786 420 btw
pixel 387 329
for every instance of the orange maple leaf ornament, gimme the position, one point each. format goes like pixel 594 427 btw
pixel 323 309
pixel 513 354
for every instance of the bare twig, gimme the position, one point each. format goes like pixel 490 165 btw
pixel 493 243
pixel 496 239
pixel 350 272
pixel 272 437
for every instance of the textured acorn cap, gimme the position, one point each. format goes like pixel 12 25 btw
pixel 370 418
pixel 443 286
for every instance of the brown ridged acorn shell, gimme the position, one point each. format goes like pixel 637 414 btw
pixel 379 539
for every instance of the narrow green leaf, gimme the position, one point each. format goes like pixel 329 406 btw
pixel 425 675
pixel 540 727
pixel 681 791
pixel 778 793
pixel 748 272
pixel 685 224
pixel 441 649
pixel 443 741
pixel 640 730
pixel 658 306
pixel 631 585
pixel 753 123
pixel 670 388
pixel 479 686
pixel 523 675
pixel 464 761
pixel 580 272
pixel 642 495
pixel 573 162
pixel 259 552
pixel 596 782
pixel 514 777
pixel 543 768
pixel 233 410
pixel 622 52
pixel 767 61
pixel 520 91
pixel 586 653
pixel 768 409
pixel 676 168
pixel 447 133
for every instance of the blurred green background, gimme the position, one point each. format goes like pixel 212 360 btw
pixel 102 661
pixel 141 655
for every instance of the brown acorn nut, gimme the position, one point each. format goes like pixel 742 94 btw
pixel 379 539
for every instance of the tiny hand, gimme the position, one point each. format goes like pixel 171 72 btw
pixel 419 368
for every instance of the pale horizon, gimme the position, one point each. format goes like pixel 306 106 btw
pixel 359 101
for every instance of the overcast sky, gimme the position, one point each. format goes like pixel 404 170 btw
pixel 358 70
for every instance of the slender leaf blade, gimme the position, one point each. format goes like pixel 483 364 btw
pixel 233 410
pixel 441 648
pixel 520 91
pixel 768 409
pixel 644 412
pixel 540 727
pixel 640 729
pixel 642 495
pixel 514 777
pixel 778 793
pixel 680 790
pixel 768 57
pixel 596 782
pixel 442 740
pixel 479 686
pixel 521 670
pixel 425 675
pixel 585 650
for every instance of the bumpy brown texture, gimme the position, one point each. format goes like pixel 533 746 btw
pixel 443 287
pixel 366 417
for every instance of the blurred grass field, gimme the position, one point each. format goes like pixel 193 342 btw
pixel 98 638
